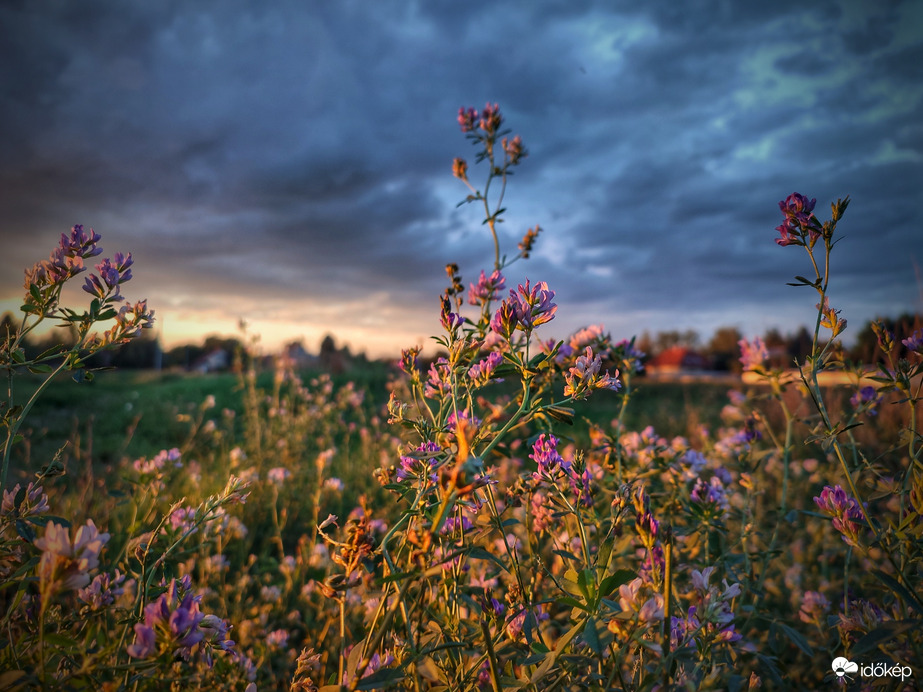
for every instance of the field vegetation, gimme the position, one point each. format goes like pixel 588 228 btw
pixel 523 512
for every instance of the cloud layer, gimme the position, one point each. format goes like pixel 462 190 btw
pixel 290 163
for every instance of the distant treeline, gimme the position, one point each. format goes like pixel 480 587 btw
pixel 723 353
pixel 720 349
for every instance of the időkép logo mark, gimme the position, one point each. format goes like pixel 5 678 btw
pixel 844 668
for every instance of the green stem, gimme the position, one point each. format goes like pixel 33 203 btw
pixel 14 428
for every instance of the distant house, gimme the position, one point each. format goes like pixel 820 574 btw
pixel 676 360
pixel 215 360
pixel 295 352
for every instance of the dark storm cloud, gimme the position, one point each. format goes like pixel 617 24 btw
pixel 266 155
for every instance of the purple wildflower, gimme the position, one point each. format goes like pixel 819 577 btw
pixel 103 590
pixel 505 320
pixel 278 475
pixel 532 305
pixel 844 510
pixel 19 503
pixel 798 207
pixel 451 321
pixel 487 288
pixel 514 149
pixel 482 371
pixel 467 119
pixel 438 380
pixel 914 342
pixel 868 398
pixel 491 119
pixel 753 354
pixel 420 463
pixel 65 563
pixel 546 457
pixel 584 376
pixel 711 496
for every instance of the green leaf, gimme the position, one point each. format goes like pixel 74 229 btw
pixel 796 638
pixel 60 640
pixel 478 553
pixel 45 518
pixel 26 532
pixel 572 602
pixel 591 637
pixel 615 580
pixel 561 413
pixel 566 555
pixel 899 590
pixel 884 633
pixel 40 369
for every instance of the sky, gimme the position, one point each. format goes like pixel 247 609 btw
pixel 289 163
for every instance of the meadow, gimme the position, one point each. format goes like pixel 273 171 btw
pixel 523 512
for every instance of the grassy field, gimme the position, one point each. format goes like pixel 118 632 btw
pixel 132 413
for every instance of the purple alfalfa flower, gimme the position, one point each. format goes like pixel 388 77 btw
pixel 584 377
pixel 482 371
pixel 176 613
pixel 470 420
pixel 145 643
pixel 277 639
pixel 103 590
pixel 487 288
pixel 111 275
pixel 629 356
pixel 18 503
pixel 546 457
pixel 278 475
pixel 454 525
pixel 788 233
pixel 711 496
pixel 801 227
pixel 798 207
pixel 64 563
pixel 532 304
pixel 753 354
pixel 639 599
pixel 914 342
pixel 408 362
pixel 450 321
pixel 438 379
pixel 129 321
pixel 491 119
pixel 80 243
pixel 420 463
pixel 798 211
pixel 542 513
pixel 868 398
pixel 814 606
pixel 647 527
pixel 594 336
pixel 514 150
pixel 505 319
pixel 581 485
pixel 183 520
pixel 844 510
pixel 467 119
pixel 376 662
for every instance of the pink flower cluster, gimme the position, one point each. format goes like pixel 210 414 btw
pixel 175 621
pixel 526 308
pixel 845 511
pixel 66 564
